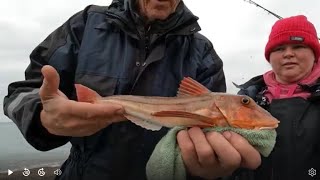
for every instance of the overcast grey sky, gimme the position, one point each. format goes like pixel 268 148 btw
pixel 237 29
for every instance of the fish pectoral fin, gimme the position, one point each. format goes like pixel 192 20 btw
pixel 190 87
pixel 184 114
pixel 143 123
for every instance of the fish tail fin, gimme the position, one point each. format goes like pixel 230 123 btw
pixel 85 94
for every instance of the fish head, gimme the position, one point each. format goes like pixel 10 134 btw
pixel 242 112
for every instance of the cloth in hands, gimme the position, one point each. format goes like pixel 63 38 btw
pixel 166 162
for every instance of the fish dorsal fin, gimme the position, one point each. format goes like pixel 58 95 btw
pixel 190 87
pixel 183 114
pixel 144 124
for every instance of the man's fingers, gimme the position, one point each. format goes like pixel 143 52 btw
pixel 228 156
pixel 50 83
pixel 250 157
pixel 188 151
pixel 206 155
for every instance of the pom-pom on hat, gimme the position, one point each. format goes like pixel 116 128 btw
pixel 293 30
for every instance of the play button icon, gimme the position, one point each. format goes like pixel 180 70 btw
pixel 9 172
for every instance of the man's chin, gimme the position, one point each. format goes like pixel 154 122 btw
pixel 158 16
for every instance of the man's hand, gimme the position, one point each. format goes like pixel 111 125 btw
pixel 213 155
pixel 64 117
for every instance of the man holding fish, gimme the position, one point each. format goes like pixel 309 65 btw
pixel 132 47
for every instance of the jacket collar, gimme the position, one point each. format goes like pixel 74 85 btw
pixel 255 81
pixel 257 84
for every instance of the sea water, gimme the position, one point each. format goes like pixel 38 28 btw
pixel 17 154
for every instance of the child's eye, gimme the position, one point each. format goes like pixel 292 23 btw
pixel 279 48
pixel 298 46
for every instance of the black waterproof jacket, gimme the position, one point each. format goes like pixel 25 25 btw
pixel 296 155
pixel 111 51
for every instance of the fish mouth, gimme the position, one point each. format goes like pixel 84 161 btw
pixel 269 127
pixel 257 125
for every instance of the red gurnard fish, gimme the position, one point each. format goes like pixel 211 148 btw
pixel 194 105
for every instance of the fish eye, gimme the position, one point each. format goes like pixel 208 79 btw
pixel 245 100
